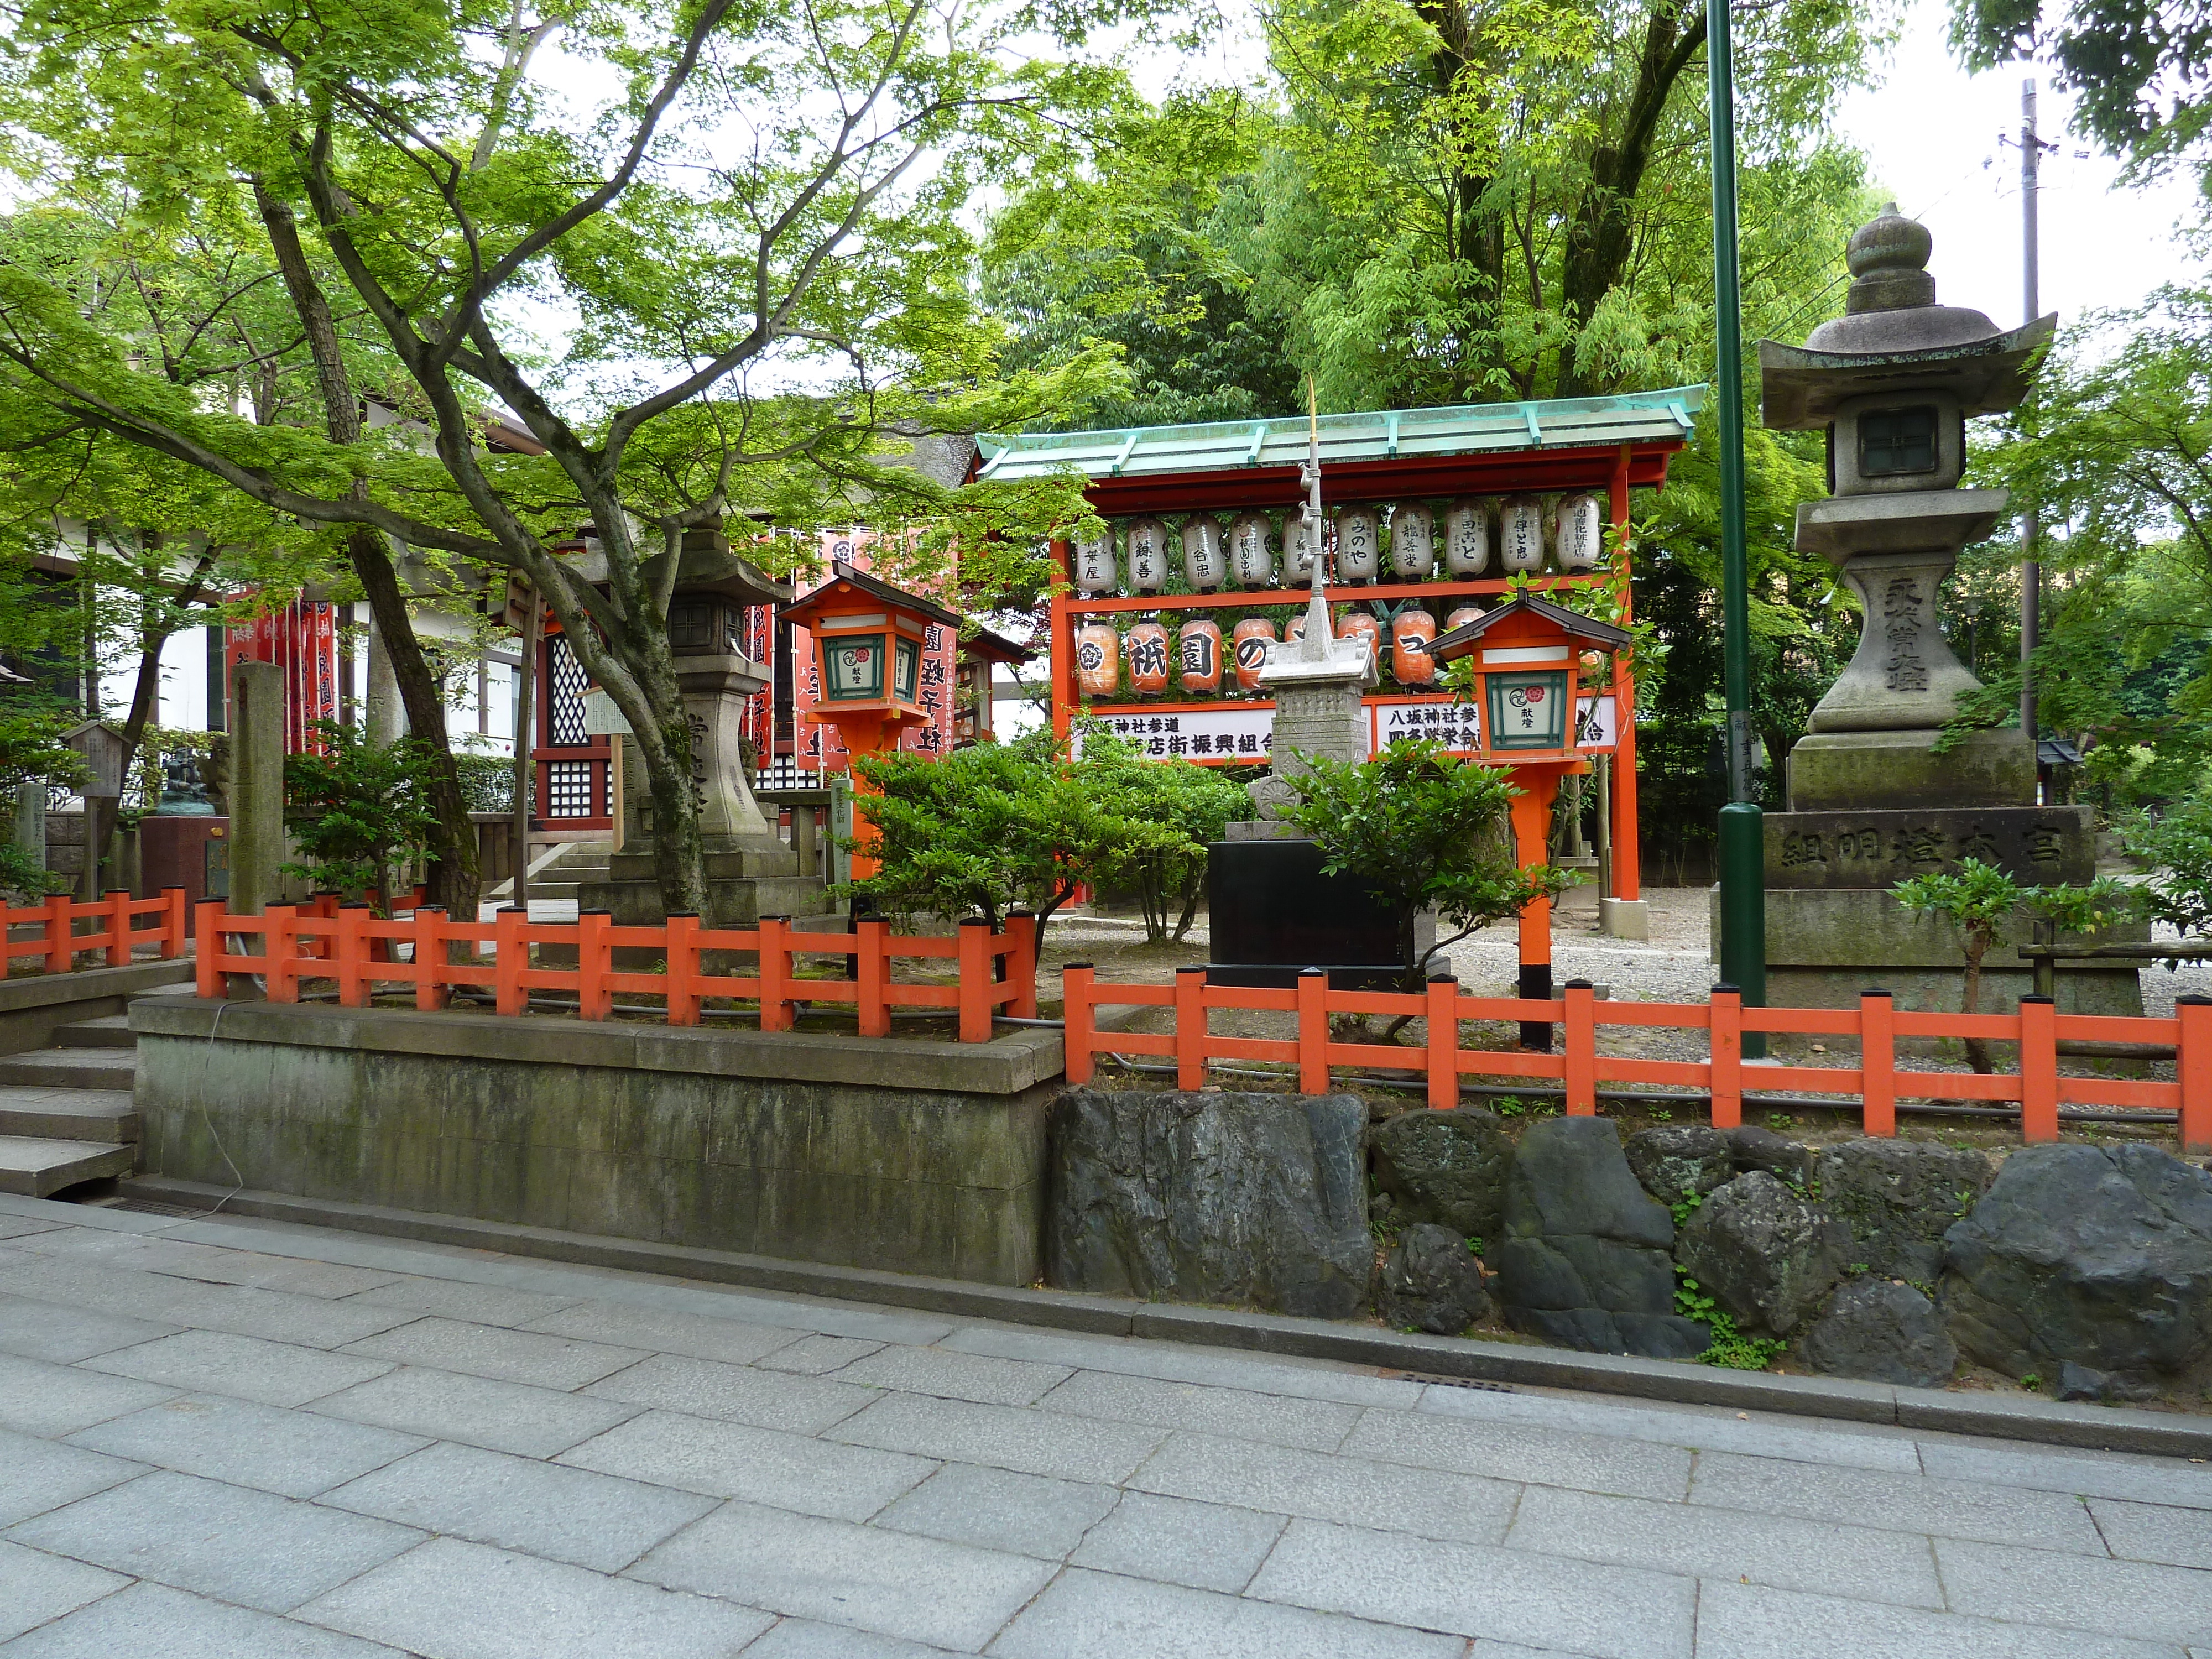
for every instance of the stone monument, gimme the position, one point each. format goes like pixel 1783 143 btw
pixel 1271 910
pixel 1876 792
pixel 749 872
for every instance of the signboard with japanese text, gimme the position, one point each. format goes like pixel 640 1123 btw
pixel 1218 734
pixel 302 639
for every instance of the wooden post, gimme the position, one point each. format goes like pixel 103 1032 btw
pixel 172 923
pixel 1443 1041
pixel 874 934
pixel 1313 1031
pixel 683 968
pixel 207 963
pixel 774 974
pixel 2192 1070
pixel 511 957
pixel 975 981
pixel 2038 1069
pixel 1022 963
pixel 1579 1005
pixel 118 928
pixel 1877 1062
pixel 431 990
pixel 1061 661
pixel 1190 1028
pixel 1627 859
pixel 1727 1010
pixel 1080 1028
pixel 61 944
pixel 281 948
pixel 595 1000
pixel 526 711
pixel 1532 824
pixel 352 949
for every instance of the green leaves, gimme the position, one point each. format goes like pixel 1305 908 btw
pixel 358 811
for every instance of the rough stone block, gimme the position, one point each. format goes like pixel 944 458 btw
pixel 1432 1282
pixel 1898 1198
pixel 1856 771
pixel 1253 1200
pixel 1762 1253
pixel 1883 1332
pixel 2098 1255
pixel 1671 1159
pixel 1447 1167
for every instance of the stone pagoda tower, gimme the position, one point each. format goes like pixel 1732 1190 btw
pixel 1872 800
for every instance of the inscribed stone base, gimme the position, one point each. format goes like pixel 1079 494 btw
pixel 2033 844
pixel 2082 988
pixel 1867 930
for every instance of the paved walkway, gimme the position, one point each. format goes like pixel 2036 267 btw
pixel 231 1439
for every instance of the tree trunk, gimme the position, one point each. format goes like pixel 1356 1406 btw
pixel 1970 1001
pixel 453 873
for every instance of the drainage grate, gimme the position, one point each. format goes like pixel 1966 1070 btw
pixel 1457 1382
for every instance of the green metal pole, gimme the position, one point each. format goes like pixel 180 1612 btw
pixel 1743 890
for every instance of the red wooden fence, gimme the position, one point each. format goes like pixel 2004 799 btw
pixel 346 946
pixel 1877 1081
pixel 116 935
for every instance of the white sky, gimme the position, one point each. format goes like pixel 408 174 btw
pixel 1928 127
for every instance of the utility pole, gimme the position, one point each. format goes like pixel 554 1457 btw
pixel 1742 851
pixel 2031 529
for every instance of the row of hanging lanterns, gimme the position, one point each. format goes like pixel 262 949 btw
pixel 1200 662
pixel 1573 533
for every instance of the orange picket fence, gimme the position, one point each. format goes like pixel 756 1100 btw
pixel 1877 1082
pixel 345 945
pixel 116 934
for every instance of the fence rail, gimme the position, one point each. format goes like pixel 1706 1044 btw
pixel 116 935
pixel 1877 1082
pixel 358 953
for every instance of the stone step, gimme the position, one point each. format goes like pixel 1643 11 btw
pixel 70 1068
pixel 113 1031
pixel 109 1116
pixel 33 1168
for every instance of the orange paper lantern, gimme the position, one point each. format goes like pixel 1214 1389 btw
pixel 1147 645
pixel 1097 659
pixel 1360 624
pixel 1250 639
pixel 1410 661
pixel 1200 654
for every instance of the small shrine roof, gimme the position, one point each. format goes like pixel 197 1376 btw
pixel 1359 447
pixel 1458 641
pixel 803 610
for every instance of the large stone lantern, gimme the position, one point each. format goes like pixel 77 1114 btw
pixel 1877 792
pixel 750 871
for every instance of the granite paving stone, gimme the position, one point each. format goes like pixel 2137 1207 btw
pixel 37 1475
pixel 998 1510
pixel 2049 1468
pixel 61 1336
pixel 1610 1612
pixel 663 1330
pixel 2153 1532
pixel 452 1599
pixel 20 1226
pixel 35 1587
pixel 231 1542
pixel 1096 1615
pixel 815 1354
pixel 243 1367
pixel 1177 1540
pixel 951 1376
pixel 160 1623
pixel 1015 1438
pixel 509 1417
pixel 483 1304
pixel 279 1316
pixel 590 1519
pixel 1174 1362
pixel 706 1388
pixel 1752 1621
pixel 460 1344
pixel 177 1259
pixel 36 1397
pixel 1765 1549
pixel 806 1639
pixel 1285 1481
pixel 289 1453
pixel 1590 1462
pixel 1284 1419
pixel 923 1589
pixel 2141 1599
pixel 761 1466
pixel 1910 1502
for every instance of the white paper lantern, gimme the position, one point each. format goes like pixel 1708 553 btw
pixel 1095 570
pixel 1252 550
pixel 1203 564
pixel 1467 538
pixel 1581 539
pixel 1520 534
pixel 1148 555
pixel 1413 541
pixel 1297 556
pixel 1358 544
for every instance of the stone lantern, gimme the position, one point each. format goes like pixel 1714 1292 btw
pixel 1872 799
pixel 749 872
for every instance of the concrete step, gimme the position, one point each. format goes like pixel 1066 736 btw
pixel 112 1032
pixel 39 1169
pixel 70 1068
pixel 107 1115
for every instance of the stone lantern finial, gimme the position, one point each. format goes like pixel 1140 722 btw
pixel 1888 258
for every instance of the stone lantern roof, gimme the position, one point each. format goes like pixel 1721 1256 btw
pixel 1894 337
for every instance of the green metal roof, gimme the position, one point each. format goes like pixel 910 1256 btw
pixel 1383 435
